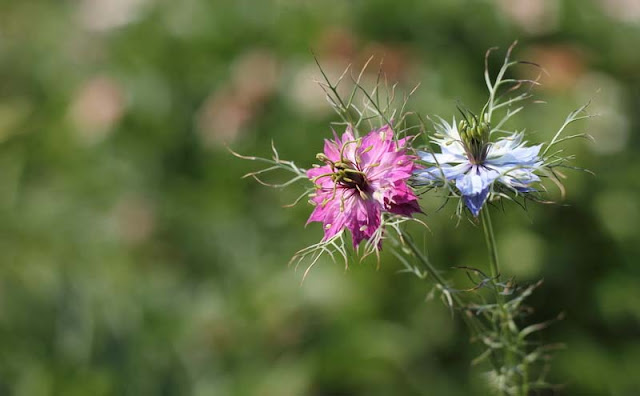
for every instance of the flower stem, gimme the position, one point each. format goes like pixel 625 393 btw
pixel 470 319
pixel 424 260
pixel 491 243
pixel 506 322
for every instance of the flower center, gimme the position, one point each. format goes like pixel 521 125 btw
pixel 345 175
pixel 475 138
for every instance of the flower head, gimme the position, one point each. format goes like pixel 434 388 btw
pixel 474 163
pixel 361 179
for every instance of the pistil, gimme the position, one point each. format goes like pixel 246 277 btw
pixel 475 137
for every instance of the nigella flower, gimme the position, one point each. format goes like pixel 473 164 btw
pixel 361 179
pixel 473 163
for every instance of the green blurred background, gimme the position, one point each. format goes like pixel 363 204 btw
pixel 136 261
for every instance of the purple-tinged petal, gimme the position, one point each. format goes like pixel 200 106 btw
pixel 365 219
pixel 332 150
pixel 475 202
pixel 384 169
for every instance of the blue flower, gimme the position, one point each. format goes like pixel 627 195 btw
pixel 473 163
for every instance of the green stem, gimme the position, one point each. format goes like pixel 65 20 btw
pixel 505 325
pixel 425 261
pixel 491 243
pixel 470 319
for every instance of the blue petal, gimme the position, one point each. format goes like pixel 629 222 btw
pixel 518 156
pixel 524 189
pixel 475 202
pixel 478 179
pixel 516 177
pixel 475 186
pixel 442 158
pixel 445 171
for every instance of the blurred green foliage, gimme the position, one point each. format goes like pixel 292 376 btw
pixel 136 261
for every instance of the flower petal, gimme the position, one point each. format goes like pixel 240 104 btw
pixel 445 157
pixel 364 219
pixel 332 150
pixel 520 179
pixel 447 171
pixel 478 179
pixel 475 186
pixel 401 200
pixel 385 168
pixel 521 155
pixel 475 202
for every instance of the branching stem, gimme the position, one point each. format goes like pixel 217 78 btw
pixel 471 320
pixel 505 324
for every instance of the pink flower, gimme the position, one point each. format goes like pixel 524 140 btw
pixel 361 179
